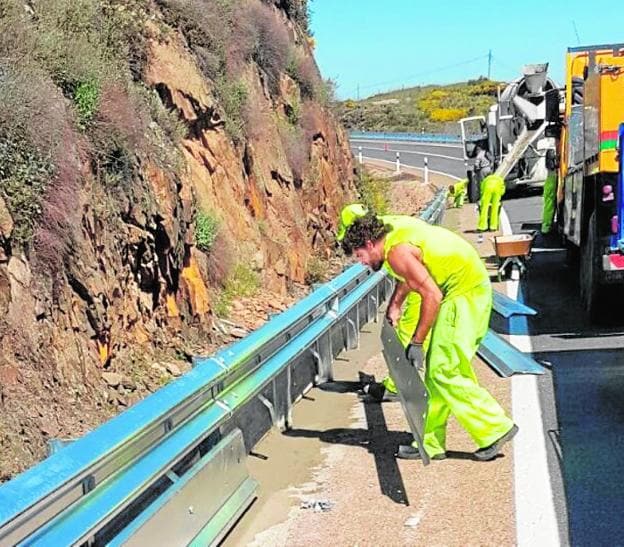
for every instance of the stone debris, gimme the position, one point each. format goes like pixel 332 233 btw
pixel 413 521
pixel 112 379
pixel 173 369
pixel 318 506
pixel 159 368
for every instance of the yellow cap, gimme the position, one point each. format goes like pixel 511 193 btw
pixel 348 216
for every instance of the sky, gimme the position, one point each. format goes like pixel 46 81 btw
pixel 369 46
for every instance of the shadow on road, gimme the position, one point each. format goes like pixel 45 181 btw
pixel 588 378
pixel 343 386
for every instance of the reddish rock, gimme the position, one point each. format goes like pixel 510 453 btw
pixel 9 375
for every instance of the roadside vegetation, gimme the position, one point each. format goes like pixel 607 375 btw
pixel 242 281
pixel 72 95
pixel 374 191
pixel 429 109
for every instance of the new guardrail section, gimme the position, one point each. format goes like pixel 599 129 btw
pixel 171 469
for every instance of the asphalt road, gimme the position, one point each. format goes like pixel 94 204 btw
pixel 441 157
pixel 587 433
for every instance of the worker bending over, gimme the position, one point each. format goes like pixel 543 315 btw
pixel 442 328
pixel 386 389
pixel 457 192
pixel 492 191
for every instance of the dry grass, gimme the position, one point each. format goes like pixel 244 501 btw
pixel 297 149
pixel 271 47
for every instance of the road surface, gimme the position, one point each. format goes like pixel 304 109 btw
pixel 445 158
pixel 588 376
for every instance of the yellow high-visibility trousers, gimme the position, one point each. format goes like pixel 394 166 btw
pixel 549 201
pixel 450 379
pixel 492 190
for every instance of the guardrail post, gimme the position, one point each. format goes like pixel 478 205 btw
pixel 322 354
pixel 398 163
pixel 426 181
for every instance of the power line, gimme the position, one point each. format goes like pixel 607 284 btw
pixel 504 65
pixel 405 79
pixel 578 39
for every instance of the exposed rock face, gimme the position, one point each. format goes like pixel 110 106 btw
pixel 134 282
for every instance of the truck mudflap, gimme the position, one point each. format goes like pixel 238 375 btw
pixel 613 268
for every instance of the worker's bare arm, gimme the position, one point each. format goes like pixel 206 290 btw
pixel 393 313
pixel 406 262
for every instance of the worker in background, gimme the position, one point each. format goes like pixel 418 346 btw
pixel 492 191
pixel 442 329
pixel 483 164
pixel 550 192
pixel 457 193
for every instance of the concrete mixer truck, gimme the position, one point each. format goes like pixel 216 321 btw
pixel 583 124
pixel 516 134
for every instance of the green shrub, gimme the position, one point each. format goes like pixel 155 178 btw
pixel 233 95
pixel 316 270
pixel 299 12
pixel 86 98
pixel 242 281
pixel 302 69
pixel 70 44
pixel 24 178
pixel 206 230
pixel 374 192
pixel 221 304
pixel 293 112
pixel 167 119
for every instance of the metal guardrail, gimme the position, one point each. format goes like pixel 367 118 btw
pixel 412 137
pixel 152 463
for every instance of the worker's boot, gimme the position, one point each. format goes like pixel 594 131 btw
pixel 490 452
pixel 410 452
pixel 377 392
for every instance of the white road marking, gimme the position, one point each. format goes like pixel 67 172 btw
pixel 536 520
pixel 413 167
pixel 414 152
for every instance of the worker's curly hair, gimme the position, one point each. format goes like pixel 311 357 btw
pixel 367 228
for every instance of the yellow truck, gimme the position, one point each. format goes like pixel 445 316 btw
pixel 591 187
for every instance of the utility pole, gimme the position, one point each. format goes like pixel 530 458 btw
pixel 489 64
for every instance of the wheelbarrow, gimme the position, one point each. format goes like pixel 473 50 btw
pixel 513 252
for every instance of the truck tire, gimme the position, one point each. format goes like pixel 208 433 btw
pixel 473 188
pixel 592 291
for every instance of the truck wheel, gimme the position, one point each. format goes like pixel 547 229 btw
pixel 592 292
